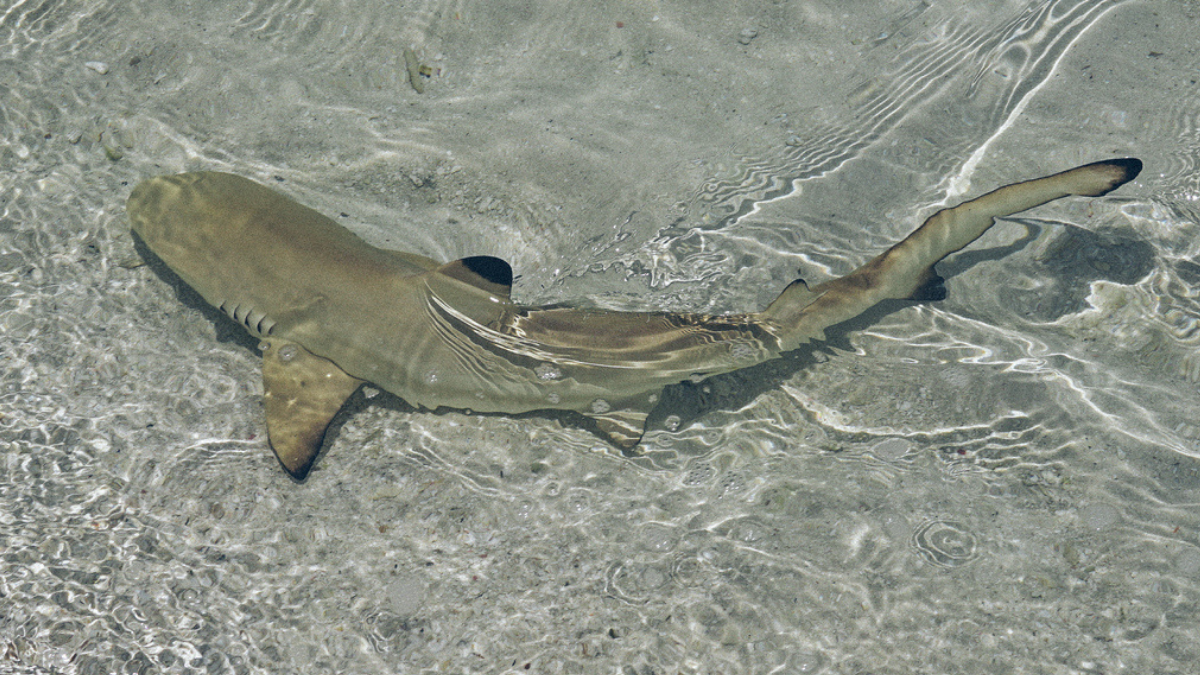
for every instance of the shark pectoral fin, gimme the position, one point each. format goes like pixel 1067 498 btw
pixel 484 272
pixel 622 428
pixel 302 393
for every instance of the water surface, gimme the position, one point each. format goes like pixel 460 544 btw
pixel 1005 481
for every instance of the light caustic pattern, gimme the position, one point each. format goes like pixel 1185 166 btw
pixel 1007 479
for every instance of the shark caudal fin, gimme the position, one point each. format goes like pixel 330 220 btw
pixel 905 271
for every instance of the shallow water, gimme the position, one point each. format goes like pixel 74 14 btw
pixel 1002 482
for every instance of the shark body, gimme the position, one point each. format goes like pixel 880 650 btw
pixel 333 312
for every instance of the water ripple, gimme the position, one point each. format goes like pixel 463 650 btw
pixel 945 543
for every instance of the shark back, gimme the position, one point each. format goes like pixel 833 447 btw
pixel 267 261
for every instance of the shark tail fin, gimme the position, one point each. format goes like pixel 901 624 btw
pixel 905 271
pixel 1107 175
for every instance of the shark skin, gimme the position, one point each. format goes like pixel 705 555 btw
pixel 333 312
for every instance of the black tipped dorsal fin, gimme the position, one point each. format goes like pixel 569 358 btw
pixel 485 272
pixel 302 393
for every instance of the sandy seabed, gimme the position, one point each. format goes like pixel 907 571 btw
pixel 1002 482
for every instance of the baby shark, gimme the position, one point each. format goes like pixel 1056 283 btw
pixel 333 312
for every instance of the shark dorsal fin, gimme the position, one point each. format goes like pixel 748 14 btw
pixel 484 272
pixel 302 393
pixel 793 299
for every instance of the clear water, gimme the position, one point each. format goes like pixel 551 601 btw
pixel 1003 482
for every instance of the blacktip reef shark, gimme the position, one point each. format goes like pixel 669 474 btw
pixel 333 312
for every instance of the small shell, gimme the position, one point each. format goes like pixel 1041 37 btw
pixel 414 70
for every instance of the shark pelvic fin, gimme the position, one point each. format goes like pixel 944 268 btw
pixel 484 272
pixel 622 428
pixel 302 393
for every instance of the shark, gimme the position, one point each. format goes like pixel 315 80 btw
pixel 333 313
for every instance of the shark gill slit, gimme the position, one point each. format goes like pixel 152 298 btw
pixel 257 322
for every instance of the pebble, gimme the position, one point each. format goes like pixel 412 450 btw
pixel 1099 516
pixel 98 66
